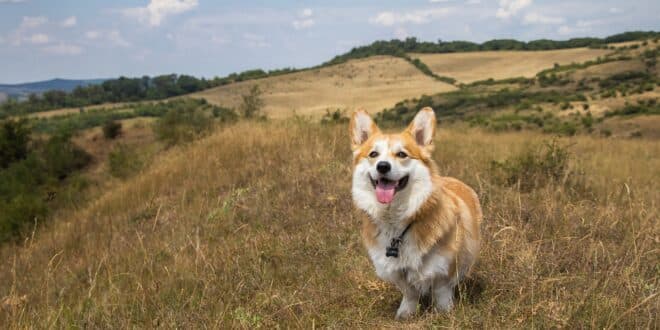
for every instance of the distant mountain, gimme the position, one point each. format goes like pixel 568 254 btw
pixel 21 91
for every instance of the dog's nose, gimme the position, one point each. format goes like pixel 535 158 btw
pixel 383 167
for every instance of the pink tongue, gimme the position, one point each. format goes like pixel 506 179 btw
pixel 385 192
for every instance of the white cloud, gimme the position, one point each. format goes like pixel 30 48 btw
pixel 92 35
pixel 615 10
pixel 69 21
pixel 388 18
pixel 255 40
pixel 438 1
pixel 303 24
pixel 509 8
pixel 31 22
pixel 473 2
pixel 307 12
pixel 305 20
pixel 38 39
pixel 64 49
pixel 112 37
pixel 157 10
pixel 536 18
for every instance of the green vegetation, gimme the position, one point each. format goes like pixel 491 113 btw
pixel 99 117
pixel 124 161
pixel 335 117
pixel 182 124
pixel 534 167
pixel 111 129
pixel 252 103
pixel 468 104
pixel 31 173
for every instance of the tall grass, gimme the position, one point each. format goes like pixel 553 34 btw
pixel 254 227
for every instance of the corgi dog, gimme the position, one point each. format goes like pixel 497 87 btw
pixel 421 230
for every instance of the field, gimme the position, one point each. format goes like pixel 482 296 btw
pixel 254 226
pixel 195 216
pixel 470 67
pixel 374 84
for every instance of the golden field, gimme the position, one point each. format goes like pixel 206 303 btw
pixel 373 83
pixel 474 66
pixel 254 227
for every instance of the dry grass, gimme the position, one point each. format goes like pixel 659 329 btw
pixel 254 226
pixel 469 67
pixel 373 83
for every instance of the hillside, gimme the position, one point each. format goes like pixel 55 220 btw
pixel 373 83
pixel 474 66
pixel 254 226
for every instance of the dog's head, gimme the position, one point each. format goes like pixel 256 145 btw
pixel 392 169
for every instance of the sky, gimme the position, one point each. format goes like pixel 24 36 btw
pixel 45 39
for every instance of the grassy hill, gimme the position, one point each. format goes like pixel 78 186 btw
pixel 373 83
pixel 254 226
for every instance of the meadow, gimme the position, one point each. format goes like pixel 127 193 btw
pixel 254 227
pixel 230 207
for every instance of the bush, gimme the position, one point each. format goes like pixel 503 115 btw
pixel 123 161
pixel 62 157
pixel 111 129
pixel 224 115
pixel 14 140
pixel 336 117
pixel 252 103
pixel 534 167
pixel 182 124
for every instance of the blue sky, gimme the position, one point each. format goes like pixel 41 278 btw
pixel 43 39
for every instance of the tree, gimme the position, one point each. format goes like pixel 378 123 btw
pixel 252 103
pixel 14 139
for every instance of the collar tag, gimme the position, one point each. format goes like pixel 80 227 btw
pixel 393 249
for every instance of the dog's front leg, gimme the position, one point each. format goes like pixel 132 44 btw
pixel 410 299
pixel 443 294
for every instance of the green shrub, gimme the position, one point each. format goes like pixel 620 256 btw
pixel 224 115
pixel 62 157
pixel 14 140
pixel 252 103
pixel 182 124
pixel 123 161
pixel 335 117
pixel 535 167
pixel 111 129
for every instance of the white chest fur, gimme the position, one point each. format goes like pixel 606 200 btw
pixel 418 269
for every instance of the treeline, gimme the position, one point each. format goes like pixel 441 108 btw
pixel 126 89
pixel 399 48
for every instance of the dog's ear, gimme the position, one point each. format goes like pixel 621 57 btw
pixel 422 128
pixel 361 128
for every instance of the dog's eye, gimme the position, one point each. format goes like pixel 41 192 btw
pixel 373 154
pixel 401 154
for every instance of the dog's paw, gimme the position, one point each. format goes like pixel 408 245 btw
pixel 443 299
pixel 443 307
pixel 406 310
